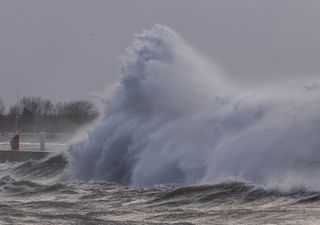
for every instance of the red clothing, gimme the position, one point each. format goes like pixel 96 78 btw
pixel 14 143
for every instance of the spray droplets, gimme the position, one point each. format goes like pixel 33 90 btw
pixel 173 119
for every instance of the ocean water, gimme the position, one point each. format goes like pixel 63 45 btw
pixel 38 192
pixel 179 143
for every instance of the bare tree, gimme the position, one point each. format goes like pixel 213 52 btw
pixel 46 107
pixel 58 109
pixel 79 110
pixel 38 114
pixel 2 108
pixel 32 104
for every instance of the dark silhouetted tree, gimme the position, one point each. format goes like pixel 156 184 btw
pixel 2 108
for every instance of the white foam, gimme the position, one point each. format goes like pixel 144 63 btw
pixel 172 118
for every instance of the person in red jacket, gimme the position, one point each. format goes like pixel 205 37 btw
pixel 14 143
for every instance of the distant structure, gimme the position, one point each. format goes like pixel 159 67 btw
pixel 42 141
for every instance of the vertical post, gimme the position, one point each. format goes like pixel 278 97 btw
pixel 17 116
pixel 42 141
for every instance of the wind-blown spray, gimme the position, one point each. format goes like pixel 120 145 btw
pixel 173 119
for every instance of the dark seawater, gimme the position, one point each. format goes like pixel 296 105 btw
pixel 36 192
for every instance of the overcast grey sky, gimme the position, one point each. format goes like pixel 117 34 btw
pixel 65 49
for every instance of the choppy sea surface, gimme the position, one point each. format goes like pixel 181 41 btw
pixel 37 192
pixel 173 117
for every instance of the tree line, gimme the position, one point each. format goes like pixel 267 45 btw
pixel 36 114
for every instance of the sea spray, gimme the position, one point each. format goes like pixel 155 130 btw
pixel 173 118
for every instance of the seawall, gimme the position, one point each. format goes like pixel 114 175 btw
pixel 21 156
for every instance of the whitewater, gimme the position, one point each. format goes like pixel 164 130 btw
pixel 179 142
pixel 174 118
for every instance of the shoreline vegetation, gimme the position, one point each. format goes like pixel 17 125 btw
pixel 36 114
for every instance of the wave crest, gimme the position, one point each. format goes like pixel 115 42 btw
pixel 173 119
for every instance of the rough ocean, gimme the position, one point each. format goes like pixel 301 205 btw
pixel 31 194
pixel 179 143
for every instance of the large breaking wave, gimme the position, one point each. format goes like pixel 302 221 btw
pixel 174 118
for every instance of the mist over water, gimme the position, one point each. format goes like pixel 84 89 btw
pixel 173 118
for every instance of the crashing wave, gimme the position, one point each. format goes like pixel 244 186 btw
pixel 173 118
